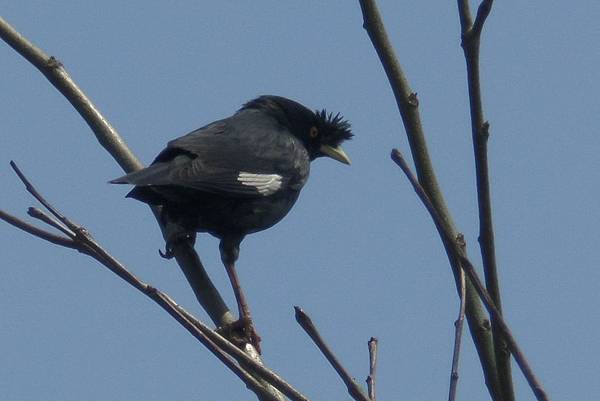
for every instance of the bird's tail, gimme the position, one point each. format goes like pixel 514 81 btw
pixel 156 174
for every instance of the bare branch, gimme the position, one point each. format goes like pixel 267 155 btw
pixel 54 71
pixel 31 189
pixel 471 37
pixel 483 11
pixel 465 15
pixel 247 361
pixel 51 221
pixel 372 368
pixel 45 235
pixel 469 270
pixel 468 27
pixel 406 98
pixel 193 326
pixel 355 391
pixel 407 103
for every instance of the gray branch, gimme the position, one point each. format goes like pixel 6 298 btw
pixel 408 103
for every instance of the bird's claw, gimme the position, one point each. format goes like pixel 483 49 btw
pixel 168 253
pixel 241 332
pixel 173 240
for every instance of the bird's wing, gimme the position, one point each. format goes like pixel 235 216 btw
pixel 245 155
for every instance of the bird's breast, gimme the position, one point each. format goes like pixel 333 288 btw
pixel 223 216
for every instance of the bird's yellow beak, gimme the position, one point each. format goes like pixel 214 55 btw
pixel 336 153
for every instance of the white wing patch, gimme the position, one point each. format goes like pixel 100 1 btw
pixel 265 184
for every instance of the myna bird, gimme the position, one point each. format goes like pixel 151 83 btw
pixel 239 175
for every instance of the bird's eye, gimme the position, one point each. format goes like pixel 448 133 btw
pixel 314 132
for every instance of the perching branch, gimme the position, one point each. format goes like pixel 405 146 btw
pixel 80 239
pixel 471 39
pixel 109 138
pixel 187 258
pixel 408 104
pixel 470 272
pixel 355 391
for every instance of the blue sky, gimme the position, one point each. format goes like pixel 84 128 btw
pixel 358 252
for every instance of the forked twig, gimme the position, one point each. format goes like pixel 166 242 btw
pixel 50 220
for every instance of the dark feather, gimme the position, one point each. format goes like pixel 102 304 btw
pixel 240 174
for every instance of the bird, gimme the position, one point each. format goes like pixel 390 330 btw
pixel 239 175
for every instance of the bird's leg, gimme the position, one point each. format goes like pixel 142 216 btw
pixel 229 254
pixel 175 233
pixel 245 318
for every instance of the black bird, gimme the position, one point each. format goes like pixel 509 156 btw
pixel 239 175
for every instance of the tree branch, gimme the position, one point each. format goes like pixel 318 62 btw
pixel 222 348
pixel 109 138
pixel 471 39
pixel 54 71
pixel 355 391
pixel 464 14
pixel 483 11
pixel 408 106
pixel 469 270
pixel 33 230
pixel 187 258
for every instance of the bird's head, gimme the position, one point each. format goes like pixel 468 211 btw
pixel 321 133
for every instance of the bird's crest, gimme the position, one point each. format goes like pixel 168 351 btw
pixel 334 128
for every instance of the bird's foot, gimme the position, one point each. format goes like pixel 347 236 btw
pixel 241 332
pixel 173 240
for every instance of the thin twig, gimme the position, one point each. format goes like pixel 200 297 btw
pixel 407 103
pixel 465 14
pixel 458 330
pixel 31 189
pixel 372 368
pixel 355 391
pixel 45 235
pixel 469 270
pixel 51 221
pixel 471 42
pixel 483 11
